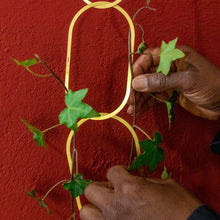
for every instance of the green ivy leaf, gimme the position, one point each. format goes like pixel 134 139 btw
pixel 77 186
pixel 167 55
pixel 76 109
pixel 152 155
pixel 32 193
pixel 38 134
pixel 41 202
pixel 26 63
pixel 164 174
pixel 141 48
pixel 170 105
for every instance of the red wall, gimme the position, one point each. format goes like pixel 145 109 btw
pixel 99 62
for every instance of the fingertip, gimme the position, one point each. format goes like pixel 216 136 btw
pixel 131 99
pixel 90 212
pixel 130 110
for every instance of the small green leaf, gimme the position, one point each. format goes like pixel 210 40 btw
pixel 26 63
pixel 42 204
pixel 77 186
pixel 164 174
pixel 38 134
pixel 170 105
pixel 141 48
pixel 152 155
pixel 157 137
pixel 32 193
pixel 168 54
pixel 76 109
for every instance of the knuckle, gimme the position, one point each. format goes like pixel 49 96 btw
pixel 156 51
pixel 184 48
pixel 131 187
pixel 162 80
pixel 190 78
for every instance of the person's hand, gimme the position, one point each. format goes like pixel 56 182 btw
pixel 195 78
pixel 129 197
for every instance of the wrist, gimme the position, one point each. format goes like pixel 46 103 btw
pixel 203 212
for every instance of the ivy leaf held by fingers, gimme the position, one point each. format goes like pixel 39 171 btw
pixel 152 155
pixel 170 105
pixel 41 202
pixel 141 48
pixel 76 109
pixel 38 134
pixel 77 185
pixel 168 54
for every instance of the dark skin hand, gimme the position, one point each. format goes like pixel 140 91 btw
pixel 194 77
pixel 128 197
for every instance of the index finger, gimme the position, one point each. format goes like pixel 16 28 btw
pixel 144 62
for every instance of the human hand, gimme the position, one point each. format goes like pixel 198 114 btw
pixel 129 197
pixel 194 77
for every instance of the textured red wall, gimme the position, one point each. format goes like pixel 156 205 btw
pixel 99 63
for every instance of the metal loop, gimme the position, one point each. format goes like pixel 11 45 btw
pixel 104 4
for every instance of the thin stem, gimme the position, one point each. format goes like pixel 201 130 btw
pixel 35 74
pixel 158 99
pixel 130 58
pixel 50 128
pixel 72 171
pixel 132 73
pixel 76 155
pixel 153 9
pixel 72 216
pixel 73 156
pixel 54 74
pixel 72 206
pixel 148 136
pixel 142 29
pixel 138 11
pixel 62 181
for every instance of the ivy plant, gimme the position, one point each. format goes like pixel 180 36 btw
pixel 75 109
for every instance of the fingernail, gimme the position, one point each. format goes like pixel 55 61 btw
pixel 139 84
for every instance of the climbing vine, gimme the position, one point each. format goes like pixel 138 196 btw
pixel 78 112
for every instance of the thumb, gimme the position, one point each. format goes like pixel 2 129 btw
pixel 158 82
